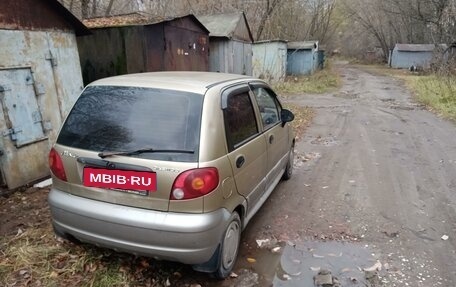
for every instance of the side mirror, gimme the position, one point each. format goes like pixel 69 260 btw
pixel 286 116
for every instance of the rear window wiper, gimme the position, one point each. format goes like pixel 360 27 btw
pixel 143 150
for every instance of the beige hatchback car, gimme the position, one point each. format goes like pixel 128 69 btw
pixel 170 165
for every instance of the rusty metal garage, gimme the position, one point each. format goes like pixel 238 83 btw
pixel 40 78
pixel 136 43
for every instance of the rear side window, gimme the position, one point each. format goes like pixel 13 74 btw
pixel 240 122
pixel 113 118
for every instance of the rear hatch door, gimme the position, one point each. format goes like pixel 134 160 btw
pixel 117 140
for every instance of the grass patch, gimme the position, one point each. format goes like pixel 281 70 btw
pixel 36 258
pixel 323 81
pixel 436 92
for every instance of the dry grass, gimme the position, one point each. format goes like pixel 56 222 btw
pixel 323 81
pixel 36 258
pixel 33 262
pixel 436 92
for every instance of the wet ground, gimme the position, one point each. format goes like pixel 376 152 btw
pixel 374 189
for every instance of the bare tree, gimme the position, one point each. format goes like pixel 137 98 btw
pixel 406 21
pixel 269 9
pixel 284 19
pixel 369 14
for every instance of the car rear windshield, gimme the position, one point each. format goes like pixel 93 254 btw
pixel 117 118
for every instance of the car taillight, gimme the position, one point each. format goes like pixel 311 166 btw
pixel 56 165
pixel 195 183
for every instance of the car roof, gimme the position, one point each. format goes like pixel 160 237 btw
pixel 196 82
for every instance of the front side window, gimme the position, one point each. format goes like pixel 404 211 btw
pixel 117 118
pixel 240 122
pixel 268 106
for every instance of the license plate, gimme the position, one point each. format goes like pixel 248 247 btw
pixel 127 180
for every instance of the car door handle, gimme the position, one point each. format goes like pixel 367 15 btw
pixel 240 160
pixel 271 139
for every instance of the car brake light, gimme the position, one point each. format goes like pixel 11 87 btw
pixel 56 165
pixel 195 183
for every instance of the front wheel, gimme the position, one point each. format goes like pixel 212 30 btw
pixel 229 247
pixel 289 168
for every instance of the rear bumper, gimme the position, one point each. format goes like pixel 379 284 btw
pixel 181 237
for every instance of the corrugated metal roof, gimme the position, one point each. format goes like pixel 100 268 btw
pixel 418 47
pixel 80 28
pixel 303 45
pixel 224 25
pixel 270 41
pixel 121 20
pixel 134 19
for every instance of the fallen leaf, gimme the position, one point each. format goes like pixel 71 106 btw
pixel 291 243
pixel 233 275
pixel 276 249
pixel 144 263
pixel 262 242
pixel 122 269
pixel 376 267
pixel 54 275
pixel 90 267
pixel 251 260
pixel 177 274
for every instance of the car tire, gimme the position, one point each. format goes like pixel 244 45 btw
pixel 229 247
pixel 289 168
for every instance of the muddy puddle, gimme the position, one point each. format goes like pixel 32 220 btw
pixel 327 141
pixel 287 264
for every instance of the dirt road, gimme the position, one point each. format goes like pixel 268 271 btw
pixel 374 187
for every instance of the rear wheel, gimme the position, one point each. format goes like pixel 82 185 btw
pixel 230 247
pixel 289 168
